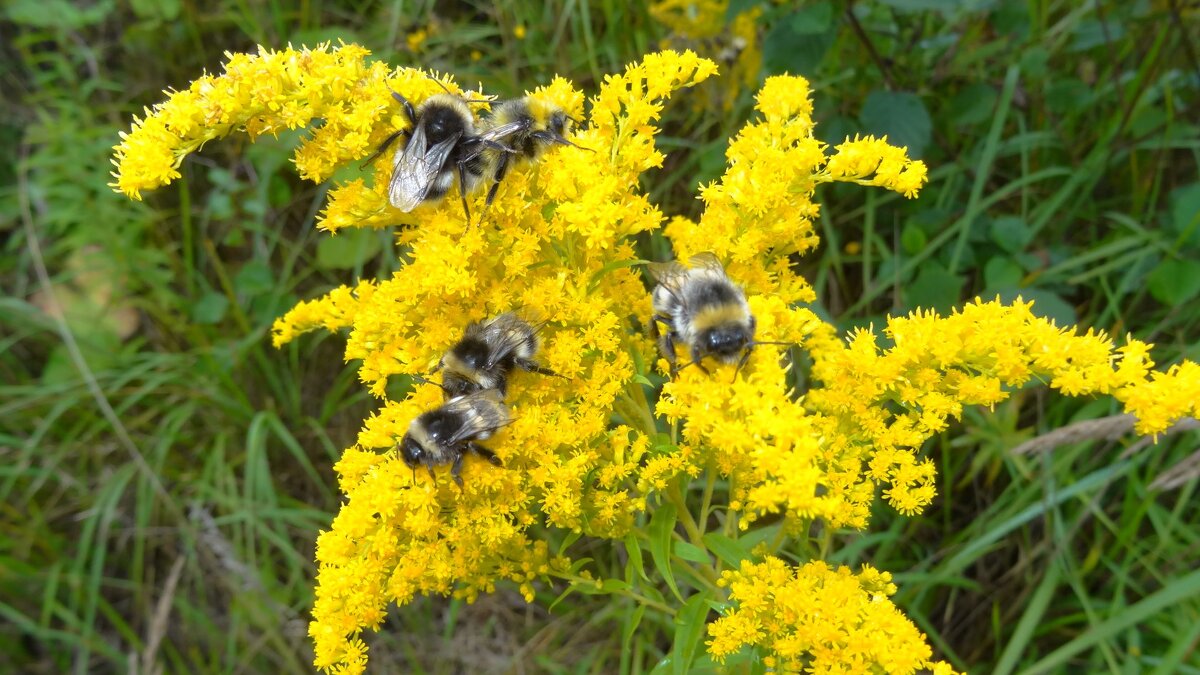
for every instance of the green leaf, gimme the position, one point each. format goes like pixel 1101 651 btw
pixel 901 116
pixel 568 540
pixel 786 50
pixel 606 587
pixel 1046 304
pixel 347 250
pixel 934 288
pixel 1067 95
pixel 913 239
pixel 1175 281
pixel 736 7
pixel 1185 212
pixel 1010 233
pixel 921 5
pixel 813 19
pixel 730 551
pixel 57 14
pixel 689 629
pixel 974 104
pixel 662 525
pixel 691 552
pixel 634 551
pixel 631 626
pixel 210 308
pixel 1002 272
pixel 254 278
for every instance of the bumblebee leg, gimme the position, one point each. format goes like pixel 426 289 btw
pixel 666 340
pixel 384 146
pixel 462 189
pixel 408 108
pixel 432 475
pixel 501 169
pixel 485 453
pixel 697 357
pixel 456 471
pixel 532 367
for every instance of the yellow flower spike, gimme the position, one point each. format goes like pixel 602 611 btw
pixel 818 619
pixel 872 161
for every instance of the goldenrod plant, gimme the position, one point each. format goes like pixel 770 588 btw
pixel 732 481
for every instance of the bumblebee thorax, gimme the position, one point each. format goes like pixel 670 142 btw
pixel 470 353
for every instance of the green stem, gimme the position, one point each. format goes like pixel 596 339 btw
pixel 675 495
pixel 632 595
pixel 706 501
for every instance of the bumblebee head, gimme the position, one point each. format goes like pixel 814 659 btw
pixel 556 123
pixel 727 342
pixel 411 451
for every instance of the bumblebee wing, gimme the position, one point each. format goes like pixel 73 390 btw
pixel 482 413
pixel 504 334
pixel 667 274
pixel 416 167
pixel 503 131
pixel 708 261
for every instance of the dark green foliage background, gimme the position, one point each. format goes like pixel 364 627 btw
pixel 158 506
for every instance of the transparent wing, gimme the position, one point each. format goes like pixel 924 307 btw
pixel 707 261
pixel 482 412
pixel 503 131
pixel 415 169
pixel 504 334
pixel 667 273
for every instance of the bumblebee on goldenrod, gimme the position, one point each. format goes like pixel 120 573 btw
pixel 702 309
pixel 589 457
pixel 446 433
pixel 488 353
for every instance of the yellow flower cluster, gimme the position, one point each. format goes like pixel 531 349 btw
pixel 819 620
pixel 585 452
pixel 887 402
pixel 702 25
pixel 555 248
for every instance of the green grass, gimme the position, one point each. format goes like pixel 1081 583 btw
pixel 164 471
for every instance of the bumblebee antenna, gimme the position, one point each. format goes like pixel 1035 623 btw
pixel 424 380
pixel 464 98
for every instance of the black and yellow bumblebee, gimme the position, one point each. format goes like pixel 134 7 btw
pixel 529 127
pixel 700 307
pixel 446 433
pixel 488 353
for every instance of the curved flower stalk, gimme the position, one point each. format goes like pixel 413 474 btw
pixel 589 453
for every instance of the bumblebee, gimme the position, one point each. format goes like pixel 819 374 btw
pixel 442 147
pixel 529 127
pixel 701 308
pixel 446 433
pixel 487 354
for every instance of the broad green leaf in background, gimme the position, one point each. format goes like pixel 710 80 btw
pixel 1010 233
pixel 1175 281
pixel 347 250
pixel 901 116
pixel 934 288
pixel 798 42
